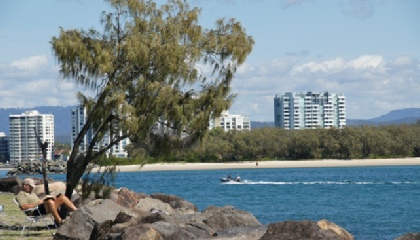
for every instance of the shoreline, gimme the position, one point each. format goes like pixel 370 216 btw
pixel 271 164
pixel 266 164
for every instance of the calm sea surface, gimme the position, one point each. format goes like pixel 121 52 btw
pixel 369 202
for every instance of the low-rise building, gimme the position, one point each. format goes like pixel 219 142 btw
pixel 230 122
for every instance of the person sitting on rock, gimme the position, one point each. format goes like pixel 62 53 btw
pixel 26 199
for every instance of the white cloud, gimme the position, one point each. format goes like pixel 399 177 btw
pixel 372 85
pixel 31 82
pixel 366 61
pixel 31 64
pixel 338 64
pixel 401 61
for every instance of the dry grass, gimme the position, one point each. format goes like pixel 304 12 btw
pixel 11 220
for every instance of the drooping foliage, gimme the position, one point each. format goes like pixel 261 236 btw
pixel 150 64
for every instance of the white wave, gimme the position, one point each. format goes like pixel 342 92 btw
pixel 250 182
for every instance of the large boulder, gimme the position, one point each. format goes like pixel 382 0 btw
pixel 91 221
pixel 305 230
pixel 126 198
pixel 153 219
pixel 180 205
pixel 409 236
pixel 55 188
pixel 149 204
pixel 222 218
pixel 141 232
pixel 10 184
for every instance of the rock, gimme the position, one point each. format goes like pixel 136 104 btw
pixel 126 198
pixel 142 232
pixel 180 223
pixel 91 221
pixel 409 236
pixel 329 226
pixel 178 204
pixel 170 231
pixel 222 218
pixel 104 219
pixel 240 233
pixel 55 188
pixel 10 184
pixel 35 167
pixel 304 230
pixel 149 204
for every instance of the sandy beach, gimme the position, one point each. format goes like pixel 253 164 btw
pixel 272 164
pixel 268 164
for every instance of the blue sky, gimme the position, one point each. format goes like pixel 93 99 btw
pixel 369 50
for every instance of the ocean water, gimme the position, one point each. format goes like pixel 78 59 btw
pixel 369 202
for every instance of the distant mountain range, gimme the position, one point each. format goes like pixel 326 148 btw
pixel 400 116
pixel 62 119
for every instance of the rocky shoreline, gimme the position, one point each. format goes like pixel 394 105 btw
pixel 35 167
pixel 130 215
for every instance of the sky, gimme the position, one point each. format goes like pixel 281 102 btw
pixel 368 50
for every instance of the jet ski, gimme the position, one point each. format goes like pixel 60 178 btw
pixel 229 180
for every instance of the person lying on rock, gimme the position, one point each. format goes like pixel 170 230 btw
pixel 26 199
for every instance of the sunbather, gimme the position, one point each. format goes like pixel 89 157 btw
pixel 49 204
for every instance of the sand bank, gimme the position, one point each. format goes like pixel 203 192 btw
pixel 272 164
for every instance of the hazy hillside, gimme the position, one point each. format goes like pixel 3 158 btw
pixel 400 116
pixel 62 119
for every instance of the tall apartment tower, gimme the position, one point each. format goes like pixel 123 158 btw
pixel 230 122
pixel 4 148
pixel 23 144
pixel 78 120
pixel 309 110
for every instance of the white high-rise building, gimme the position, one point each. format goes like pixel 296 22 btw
pixel 4 148
pixel 78 120
pixel 230 122
pixel 23 144
pixel 309 110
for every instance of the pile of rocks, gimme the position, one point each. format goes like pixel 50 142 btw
pixel 131 215
pixel 35 167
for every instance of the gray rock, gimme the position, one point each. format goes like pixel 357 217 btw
pixel 302 230
pixel 148 204
pixel 92 221
pixel 178 204
pixel 222 218
pixel 170 231
pixel 126 198
pixel 409 236
pixel 10 184
pixel 142 232
pixel 104 219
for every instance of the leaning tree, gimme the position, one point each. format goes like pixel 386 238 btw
pixel 150 64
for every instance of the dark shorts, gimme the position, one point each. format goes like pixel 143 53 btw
pixel 41 210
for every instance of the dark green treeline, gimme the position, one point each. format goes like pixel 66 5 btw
pixel 273 143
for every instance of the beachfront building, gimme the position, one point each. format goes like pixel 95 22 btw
pixel 230 122
pixel 309 110
pixel 23 144
pixel 78 120
pixel 4 148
